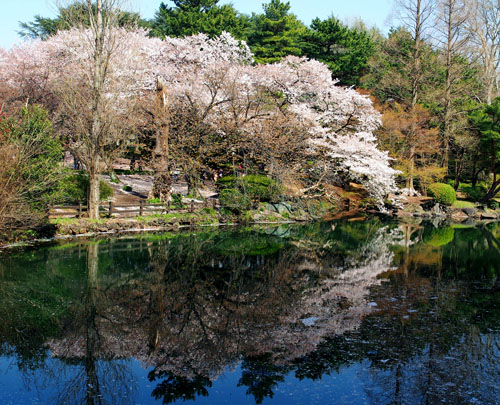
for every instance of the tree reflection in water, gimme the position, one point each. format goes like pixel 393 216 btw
pixel 307 301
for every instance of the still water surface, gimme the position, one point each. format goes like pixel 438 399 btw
pixel 338 312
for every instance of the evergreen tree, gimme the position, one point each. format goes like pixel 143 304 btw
pixel 346 51
pixel 486 120
pixel 276 33
pixel 189 17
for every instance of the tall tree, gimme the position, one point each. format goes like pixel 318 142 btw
pixel 415 15
pixel 74 14
pixel 161 180
pixel 344 50
pixel 486 120
pixel 276 33
pixel 392 79
pixel 451 18
pixel 189 17
pixel 93 90
pixel 484 29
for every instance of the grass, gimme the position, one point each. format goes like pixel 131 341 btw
pixel 154 201
pixel 69 221
pixel 463 204
pixel 63 221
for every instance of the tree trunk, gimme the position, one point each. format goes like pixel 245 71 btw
pixel 162 182
pixel 98 80
pixel 458 169
pixel 447 96
pixel 411 172
pixel 93 196
pixel 415 88
pixel 492 192
pixel 475 173
pixel 193 182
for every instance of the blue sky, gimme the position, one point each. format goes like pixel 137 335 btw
pixel 373 12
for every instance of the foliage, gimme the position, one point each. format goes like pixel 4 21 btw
pixel 32 133
pixel 443 193
pixel 177 200
pixel 191 17
pixel 409 135
pixel 486 120
pixel 276 33
pixel 235 200
pixel 75 188
pixel 31 168
pixel 253 187
pixel 474 193
pixel 221 108
pixel 493 204
pixel 392 69
pixel 68 17
pixel 344 50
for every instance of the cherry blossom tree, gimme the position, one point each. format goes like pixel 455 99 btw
pixel 219 103
pixel 340 122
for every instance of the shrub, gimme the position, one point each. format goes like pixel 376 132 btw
pixel 226 183
pixel 474 193
pixel 254 187
pixel 443 193
pixel 75 188
pixel 235 200
pixel 177 200
pixel 105 190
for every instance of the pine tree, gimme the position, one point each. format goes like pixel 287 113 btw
pixel 189 17
pixel 345 51
pixel 276 33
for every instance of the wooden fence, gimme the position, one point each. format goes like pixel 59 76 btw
pixel 142 208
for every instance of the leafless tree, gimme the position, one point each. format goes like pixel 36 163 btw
pixel 94 109
pixel 452 36
pixel 416 17
pixel 484 29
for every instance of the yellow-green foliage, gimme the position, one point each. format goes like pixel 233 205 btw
pixel 440 237
pixel 443 193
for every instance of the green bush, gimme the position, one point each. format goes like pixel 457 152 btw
pixel 235 200
pixel 254 187
pixel 75 188
pixel 177 201
pixel 105 190
pixel 226 182
pixel 443 193
pixel 474 193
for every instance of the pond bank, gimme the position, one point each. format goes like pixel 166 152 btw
pixel 265 213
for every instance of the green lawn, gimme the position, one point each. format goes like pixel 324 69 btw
pixel 463 204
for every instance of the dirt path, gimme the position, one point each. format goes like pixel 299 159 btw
pixel 141 186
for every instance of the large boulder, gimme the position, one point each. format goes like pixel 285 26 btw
pixel 469 211
pixel 489 215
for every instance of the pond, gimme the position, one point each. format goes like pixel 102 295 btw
pixel 333 312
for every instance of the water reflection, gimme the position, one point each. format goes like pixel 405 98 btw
pixel 416 306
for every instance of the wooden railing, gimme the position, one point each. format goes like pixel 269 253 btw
pixel 142 208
